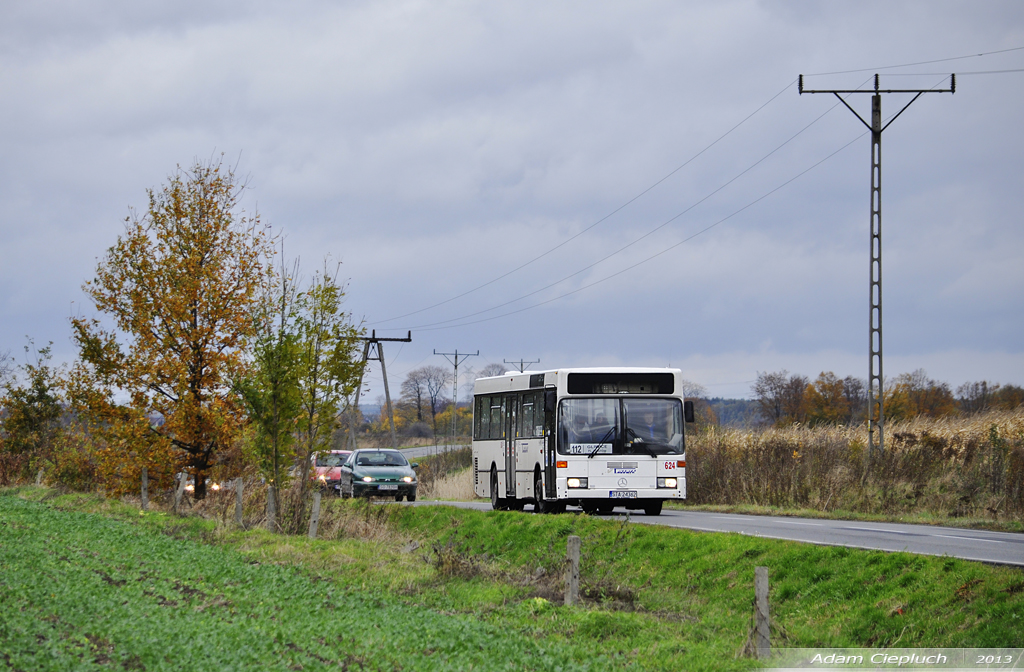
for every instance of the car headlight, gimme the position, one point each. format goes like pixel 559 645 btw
pixel 367 479
pixel 407 479
pixel 323 478
pixel 576 482
pixel 668 483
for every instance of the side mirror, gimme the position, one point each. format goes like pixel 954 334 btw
pixel 415 465
pixel 688 411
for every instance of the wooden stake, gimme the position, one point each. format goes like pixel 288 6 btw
pixel 572 571
pixel 145 489
pixel 315 518
pixel 762 624
pixel 238 500
pixel 271 509
pixel 180 490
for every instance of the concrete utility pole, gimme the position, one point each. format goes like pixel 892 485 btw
pixel 453 357
pixel 521 363
pixel 876 412
pixel 373 345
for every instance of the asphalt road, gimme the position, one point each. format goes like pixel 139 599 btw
pixel 1004 548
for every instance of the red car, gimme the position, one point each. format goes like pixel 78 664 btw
pixel 325 469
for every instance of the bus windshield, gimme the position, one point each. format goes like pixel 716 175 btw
pixel 620 426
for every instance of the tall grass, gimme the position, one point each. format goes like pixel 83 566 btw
pixel 970 466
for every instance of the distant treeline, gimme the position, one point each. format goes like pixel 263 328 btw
pixel 781 399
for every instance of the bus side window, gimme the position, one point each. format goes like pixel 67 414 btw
pixel 539 415
pixel 480 418
pixel 526 423
pixel 496 417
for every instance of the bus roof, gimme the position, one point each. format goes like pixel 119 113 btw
pixel 514 380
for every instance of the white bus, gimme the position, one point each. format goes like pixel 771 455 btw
pixel 593 438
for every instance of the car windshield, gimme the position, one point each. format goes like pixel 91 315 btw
pixel 381 458
pixel 620 426
pixel 330 459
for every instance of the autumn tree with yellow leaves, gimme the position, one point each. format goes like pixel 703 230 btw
pixel 176 291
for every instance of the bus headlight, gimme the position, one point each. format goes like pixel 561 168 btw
pixel 576 482
pixel 667 483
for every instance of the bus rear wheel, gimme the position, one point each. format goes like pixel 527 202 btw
pixel 497 503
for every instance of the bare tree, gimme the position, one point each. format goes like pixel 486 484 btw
pixel 693 390
pixel 427 383
pixel 414 393
pixel 492 370
pixel 794 405
pixel 770 394
pixel 6 366
pixel 975 397
pixel 855 392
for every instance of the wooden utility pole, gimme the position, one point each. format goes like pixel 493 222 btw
pixel 372 349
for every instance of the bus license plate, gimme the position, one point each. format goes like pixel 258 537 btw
pixel 622 494
pixel 387 487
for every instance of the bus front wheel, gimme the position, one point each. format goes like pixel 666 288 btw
pixel 653 508
pixel 542 505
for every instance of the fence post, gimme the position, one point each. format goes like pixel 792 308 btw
pixel 271 509
pixel 762 624
pixel 572 571
pixel 39 477
pixel 238 500
pixel 145 489
pixel 315 518
pixel 180 490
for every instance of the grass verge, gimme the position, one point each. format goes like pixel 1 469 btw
pixel 655 598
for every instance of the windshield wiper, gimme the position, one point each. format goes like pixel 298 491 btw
pixel 611 430
pixel 637 439
pixel 649 447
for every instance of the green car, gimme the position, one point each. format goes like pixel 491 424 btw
pixel 378 473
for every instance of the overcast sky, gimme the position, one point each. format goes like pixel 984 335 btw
pixel 439 149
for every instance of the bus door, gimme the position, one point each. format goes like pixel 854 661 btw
pixel 550 455
pixel 510 403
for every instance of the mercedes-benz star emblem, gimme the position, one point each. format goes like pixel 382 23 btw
pixel 623 482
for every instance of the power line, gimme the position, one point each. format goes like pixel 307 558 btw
pixel 958 74
pixel 433 325
pixel 658 254
pixel 610 214
pixel 907 65
pixel 637 240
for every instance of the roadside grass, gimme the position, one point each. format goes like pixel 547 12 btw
pixel 654 598
pixel 84 591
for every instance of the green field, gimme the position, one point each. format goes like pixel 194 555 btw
pixel 89 583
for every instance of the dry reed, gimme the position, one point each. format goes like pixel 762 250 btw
pixel 966 466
